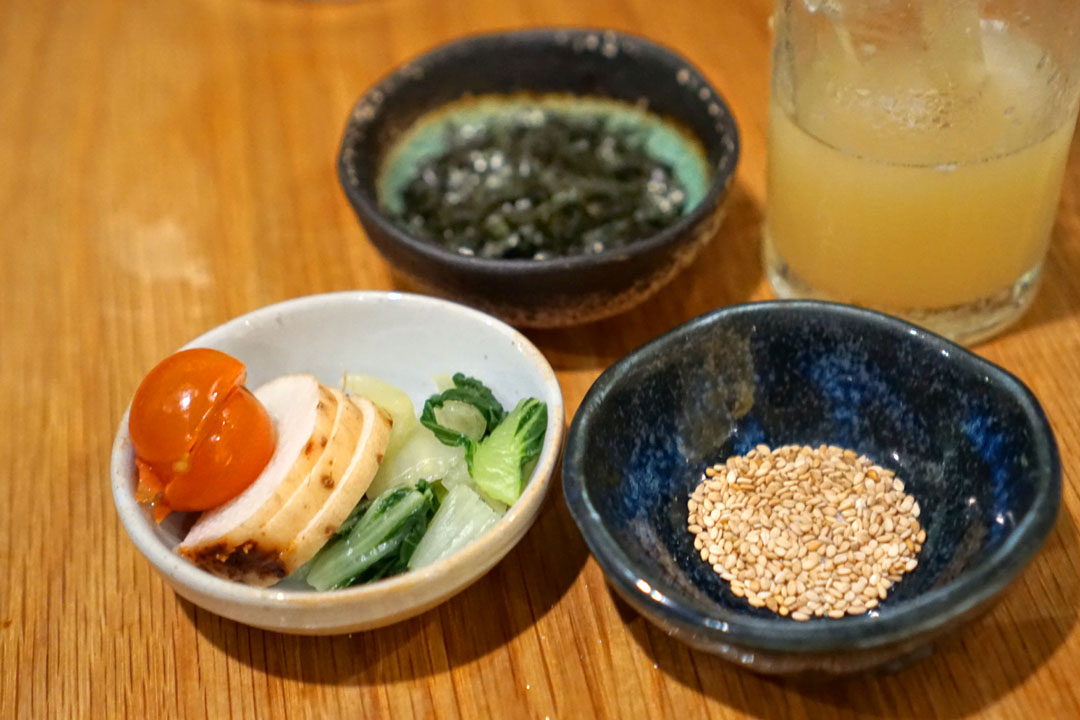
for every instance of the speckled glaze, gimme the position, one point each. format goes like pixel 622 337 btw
pixel 969 440
pixel 559 291
pixel 403 339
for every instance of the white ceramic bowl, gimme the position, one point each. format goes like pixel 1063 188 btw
pixel 406 340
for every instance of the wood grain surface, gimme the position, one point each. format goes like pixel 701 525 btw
pixel 165 166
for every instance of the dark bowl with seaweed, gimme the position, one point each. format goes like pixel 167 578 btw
pixel 969 440
pixel 549 176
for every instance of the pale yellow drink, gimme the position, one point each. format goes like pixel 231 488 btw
pixel 889 190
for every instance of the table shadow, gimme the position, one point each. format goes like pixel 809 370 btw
pixel 480 620
pixel 984 652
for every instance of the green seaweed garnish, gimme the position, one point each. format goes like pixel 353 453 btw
pixel 541 183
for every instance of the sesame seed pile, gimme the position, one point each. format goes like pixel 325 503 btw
pixel 806 532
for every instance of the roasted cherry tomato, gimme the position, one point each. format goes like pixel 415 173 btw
pixel 200 436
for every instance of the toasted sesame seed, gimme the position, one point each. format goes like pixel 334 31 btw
pixel 805 531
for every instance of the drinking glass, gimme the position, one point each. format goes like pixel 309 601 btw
pixel 916 150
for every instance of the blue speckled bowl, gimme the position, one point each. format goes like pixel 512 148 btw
pixel 969 440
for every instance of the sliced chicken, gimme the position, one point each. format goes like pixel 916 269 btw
pixel 335 503
pixel 309 498
pixel 328 450
pixel 303 413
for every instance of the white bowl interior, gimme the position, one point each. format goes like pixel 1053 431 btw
pixel 406 340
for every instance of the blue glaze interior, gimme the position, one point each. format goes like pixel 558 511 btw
pixel 962 440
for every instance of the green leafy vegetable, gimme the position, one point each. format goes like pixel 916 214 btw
pixel 462 417
pixel 354 517
pixel 496 462
pixel 380 542
pixel 422 457
pixel 462 517
pixel 499 460
pixel 472 392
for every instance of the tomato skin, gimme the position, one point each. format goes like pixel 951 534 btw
pixel 200 436
pixel 236 443
pixel 176 397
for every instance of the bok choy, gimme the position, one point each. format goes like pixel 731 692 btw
pixel 497 460
pixel 379 542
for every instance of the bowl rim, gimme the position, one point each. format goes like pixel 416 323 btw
pixel 496 542
pixel 921 614
pixel 367 207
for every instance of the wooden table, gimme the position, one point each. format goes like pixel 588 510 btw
pixel 165 166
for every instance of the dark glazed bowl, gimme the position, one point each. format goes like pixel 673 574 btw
pixel 969 440
pixel 559 291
